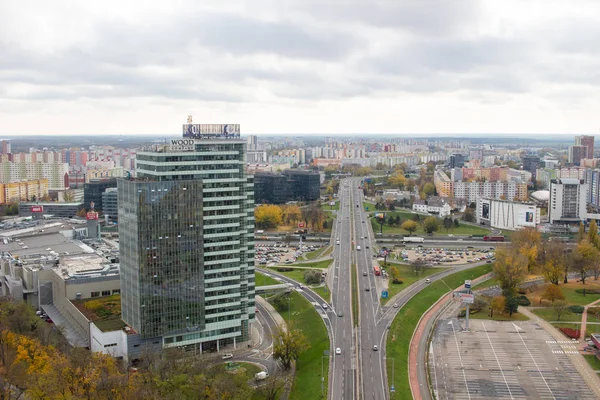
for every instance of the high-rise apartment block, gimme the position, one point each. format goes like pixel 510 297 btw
pixel 588 143
pixel 576 154
pixel 531 164
pixel 186 230
pixel 567 200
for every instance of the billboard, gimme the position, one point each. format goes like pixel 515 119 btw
pixel 301 225
pixel 37 209
pixel 91 215
pixel 211 131
pixel 485 211
pixel 379 215
pixel 182 145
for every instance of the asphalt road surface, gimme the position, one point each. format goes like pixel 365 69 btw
pixel 345 367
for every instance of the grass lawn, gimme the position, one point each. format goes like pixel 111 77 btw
pixel 307 384
pixel 406 320
pixel 318 253
pixel 571 296
pixel 322 291
pixel 326 207
pixel 408 278
pixel 314 264
pixel 486 284
pixel 462 229
pixel 369 205
pixel 296 274
pixel 549 315
pixel 248 369
pixel 263 280
pixel 593 361
pixel 483 314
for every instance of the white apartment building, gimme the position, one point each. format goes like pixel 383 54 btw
pixel 567 200
pixel 23 171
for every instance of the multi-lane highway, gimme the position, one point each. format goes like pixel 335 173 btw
pixel 345 367
pixel 360 368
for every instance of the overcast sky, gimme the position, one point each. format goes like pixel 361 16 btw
pixel 300 66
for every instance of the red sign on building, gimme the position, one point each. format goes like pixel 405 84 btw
pixel 92 215
pixel 37 209
pixel 300 225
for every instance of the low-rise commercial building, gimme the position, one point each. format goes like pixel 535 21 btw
pixel 509 215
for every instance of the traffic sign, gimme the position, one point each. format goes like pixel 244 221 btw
pixel 393 389
pixel 384 294
pixel 468 284
pixel 467 298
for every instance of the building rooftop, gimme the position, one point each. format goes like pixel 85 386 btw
pixel 541 195
pixel 43 243
pixel 104 312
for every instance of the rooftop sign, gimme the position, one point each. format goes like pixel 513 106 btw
pixel 211 131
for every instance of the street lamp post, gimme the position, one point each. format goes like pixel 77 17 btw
pixel 325 355
pixel 392 389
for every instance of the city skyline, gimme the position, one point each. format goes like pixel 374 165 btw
pixel 389 67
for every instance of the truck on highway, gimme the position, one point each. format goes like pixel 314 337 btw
pixel 414 239
pixel 262 375
pixel 357 248
pixel 493 238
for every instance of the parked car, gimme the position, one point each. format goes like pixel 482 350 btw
pixel 227 356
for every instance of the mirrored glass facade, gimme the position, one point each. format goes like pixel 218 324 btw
pixel 198 285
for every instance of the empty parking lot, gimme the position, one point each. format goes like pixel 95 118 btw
pixel 502 360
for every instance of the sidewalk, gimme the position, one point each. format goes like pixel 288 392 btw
pixel 584 321
pixel 414 363
pixel 582 366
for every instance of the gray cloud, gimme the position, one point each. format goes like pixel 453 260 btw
pixel 309 51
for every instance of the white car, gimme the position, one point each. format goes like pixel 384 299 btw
pixel 338 351
pixel 227 356
pixel 325 306
pixel 427 280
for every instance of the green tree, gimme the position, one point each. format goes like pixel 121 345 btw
pixel 468 215
pixel 559 306
pixel 429 189
pixel 431 224
pixel 281 301
pixel 312 276
pixel 447 223
pixel 288 344
pixel 512 305
pixel 409 226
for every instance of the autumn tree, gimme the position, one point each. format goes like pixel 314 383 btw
pixel 510 269
pixel 527 241
pixel 498 304
pixel 395 275
pixel 581 233
pixel 397 179
pixel 584 258
pixel 288 344
pixel 268 216
pixel 431 224
pixel 291 214
pixel 552 293
pixel 409 226
pixel 552 261
pixel 592 235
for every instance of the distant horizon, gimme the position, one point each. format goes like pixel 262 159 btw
pixel 420 135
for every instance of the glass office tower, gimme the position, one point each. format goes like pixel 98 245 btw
pixel 186 231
